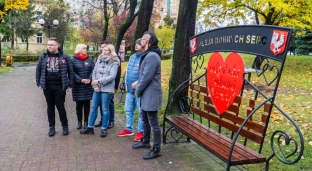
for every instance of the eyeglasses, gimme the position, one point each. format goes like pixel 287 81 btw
pixel 51 45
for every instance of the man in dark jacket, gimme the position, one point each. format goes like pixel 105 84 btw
pixel 112 103
pixel 149 90
pixel 54 75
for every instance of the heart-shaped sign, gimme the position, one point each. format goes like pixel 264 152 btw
pixel 225 79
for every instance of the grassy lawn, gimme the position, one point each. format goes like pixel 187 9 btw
pixel 4 69
pixel 294 97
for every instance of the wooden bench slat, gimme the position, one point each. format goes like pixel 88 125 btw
pixel 216 142
pixel 233 108
pixel 234 118
pixel 221 142
pixel 245 133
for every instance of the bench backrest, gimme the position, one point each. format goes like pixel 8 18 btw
pixel 254 129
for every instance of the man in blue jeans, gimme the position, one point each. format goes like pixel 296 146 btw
pixel 131 102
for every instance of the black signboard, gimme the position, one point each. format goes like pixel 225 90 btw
pixel 263 40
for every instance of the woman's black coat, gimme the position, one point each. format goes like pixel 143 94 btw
pixel 82 70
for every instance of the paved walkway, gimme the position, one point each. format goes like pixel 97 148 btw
pixel 24 144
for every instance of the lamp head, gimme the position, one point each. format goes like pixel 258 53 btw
pixel 55 22
pixel 41 21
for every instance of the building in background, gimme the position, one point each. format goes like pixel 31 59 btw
pixel 165 8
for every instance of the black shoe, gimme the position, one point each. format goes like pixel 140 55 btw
pixel 87 131
pixel 141 145
pixel 79 125
pixel 65 130
pixel 51 132
pixel 85 125
pixel 99 124
pixel 110 125
pixel 103 133
pixel 152 154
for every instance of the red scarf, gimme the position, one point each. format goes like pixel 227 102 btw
pixel 81 56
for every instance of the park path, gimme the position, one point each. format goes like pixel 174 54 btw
pixel 24 144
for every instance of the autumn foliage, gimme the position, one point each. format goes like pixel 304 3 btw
pixel 7 5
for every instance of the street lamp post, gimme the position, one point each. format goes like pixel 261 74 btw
pixel 48 26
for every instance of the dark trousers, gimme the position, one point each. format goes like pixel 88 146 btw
pixel 111 110
pixel 85 105
pixel 150 120
pixel 56 98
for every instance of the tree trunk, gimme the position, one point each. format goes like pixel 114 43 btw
pixel 27 44
pixel 106 20
pixel 181 65
pixel 144 17
pixel 126 24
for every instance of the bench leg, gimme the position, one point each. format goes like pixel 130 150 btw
pixel 164 132
pixel 188 139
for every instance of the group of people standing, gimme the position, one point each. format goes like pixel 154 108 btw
pixel 57 73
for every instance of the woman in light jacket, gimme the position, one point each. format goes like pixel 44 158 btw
pixel 83 66
pixel 103 82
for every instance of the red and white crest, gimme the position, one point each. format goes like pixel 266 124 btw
pixel 278 42
pixel 193 45
pixel 63 61
pixel 86 63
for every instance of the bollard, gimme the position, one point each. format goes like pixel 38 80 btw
pixel 9 60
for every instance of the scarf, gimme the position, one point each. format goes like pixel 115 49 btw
pixel 81 56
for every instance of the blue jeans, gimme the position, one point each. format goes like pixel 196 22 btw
pixel 130 105
pixel 104 99
pixel 111 110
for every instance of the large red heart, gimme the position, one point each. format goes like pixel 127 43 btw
pixel 225 79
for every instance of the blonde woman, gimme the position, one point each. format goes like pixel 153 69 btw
pixel 103 82
pixel 82 90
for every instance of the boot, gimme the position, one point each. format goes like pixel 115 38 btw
pixel 87 131
pixel 79 125
pixel 99 124
pixel 110 125
pixel 51 132
pixel 155 152
pixel 141 145
pixel 85 125
pixel 65 130
pixel 103 133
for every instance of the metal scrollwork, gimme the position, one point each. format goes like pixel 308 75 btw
pixel 185 102
pixel 176 134
pixel 280 136
pixel 198 61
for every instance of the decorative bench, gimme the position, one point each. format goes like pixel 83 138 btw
pixel 218 111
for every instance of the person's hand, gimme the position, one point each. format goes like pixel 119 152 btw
pixel 97 89
pixel 68 89
pixel 83 81
pixel 133 85
pixel 95 82
pixel 88 81
pixel 40 88
pixel 136 95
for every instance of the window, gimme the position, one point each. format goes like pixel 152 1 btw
pixel 39 15
pixel 24 40
pixel 39 38
pixel 6 38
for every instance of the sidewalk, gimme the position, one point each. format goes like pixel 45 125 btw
pixel 24 143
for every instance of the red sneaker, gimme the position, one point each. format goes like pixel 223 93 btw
pixel 139 136
pixel 125 133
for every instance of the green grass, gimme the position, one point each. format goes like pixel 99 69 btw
pixel 4 69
